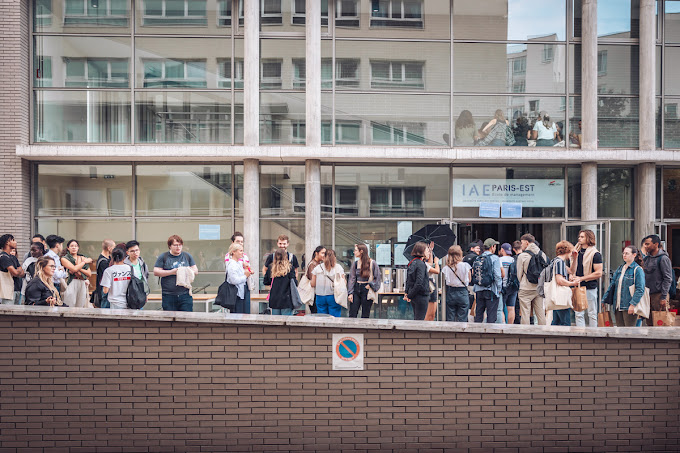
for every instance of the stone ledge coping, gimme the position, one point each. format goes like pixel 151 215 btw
pixel 643 333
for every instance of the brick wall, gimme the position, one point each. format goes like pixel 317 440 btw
pixel 73 384
pixel 14 119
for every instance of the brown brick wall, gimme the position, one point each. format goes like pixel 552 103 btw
pixel 14 119
pixel 99 385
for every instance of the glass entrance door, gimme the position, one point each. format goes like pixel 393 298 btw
pixel 602 230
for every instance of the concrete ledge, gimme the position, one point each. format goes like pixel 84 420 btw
pixel 375 154
pixel 645 333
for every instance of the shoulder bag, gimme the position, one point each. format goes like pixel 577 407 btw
pixel 471 297
pixel 6 284
pixel 373 295
pixel 339 286
pixel 226 295
pixel 306 291
pixel 557 297
pixel 643 307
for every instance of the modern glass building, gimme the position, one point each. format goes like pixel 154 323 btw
pixel 338 121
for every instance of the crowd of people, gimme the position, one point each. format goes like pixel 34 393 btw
pixel 492 282
pixel 499 131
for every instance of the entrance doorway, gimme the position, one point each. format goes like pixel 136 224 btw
pixel 547 234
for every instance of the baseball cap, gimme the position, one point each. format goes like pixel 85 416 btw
pixel 507 247
pixel 491 242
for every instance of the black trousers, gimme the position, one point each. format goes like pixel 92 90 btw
pixel 360 299
pixel 420 307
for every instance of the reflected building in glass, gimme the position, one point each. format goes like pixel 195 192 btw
pixel 340 121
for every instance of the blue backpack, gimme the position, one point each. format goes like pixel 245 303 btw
pixel 482 271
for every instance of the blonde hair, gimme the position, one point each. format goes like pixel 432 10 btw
pixel 40 273
pixel 234 247
pixel 455 256
pixel 280 265
pixel 330 260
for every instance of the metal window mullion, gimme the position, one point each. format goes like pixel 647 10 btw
pixel 133 79
pixel 333 195
pixel 134 200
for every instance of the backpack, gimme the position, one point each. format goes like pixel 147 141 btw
pixel 536 265
pixel 511 282
pixel 544 277
pixel 136 292
pixel 482 271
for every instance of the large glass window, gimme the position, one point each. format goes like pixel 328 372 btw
pixel 82 116
pixel 614 192
pixel 81 16
pixel 185 117
pixel 616 19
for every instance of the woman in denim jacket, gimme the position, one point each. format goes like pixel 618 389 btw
pixel 628 274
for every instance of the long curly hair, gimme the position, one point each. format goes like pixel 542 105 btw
pixel 280 265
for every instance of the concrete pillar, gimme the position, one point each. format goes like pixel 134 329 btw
pixel 588 191
pixel 645 200
pixel 647 75
pixel 251 216
pixel 313 73
pixel 589 74
pixel 312 207
pixel 251 74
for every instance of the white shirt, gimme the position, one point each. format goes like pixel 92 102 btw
pixel 236 276
pixel 324 284
pixel 543 132
pixel 59 271
pixel 462 273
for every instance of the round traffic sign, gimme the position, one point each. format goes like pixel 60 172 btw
pixel 347 349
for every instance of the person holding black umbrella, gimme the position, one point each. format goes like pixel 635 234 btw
pixel 417 287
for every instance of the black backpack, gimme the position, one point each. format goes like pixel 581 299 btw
pixel 511 282
pixel 136 292
pixel 536 265
pixel 482 271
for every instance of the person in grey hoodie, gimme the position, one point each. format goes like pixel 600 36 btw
pixel 658 273
pixel 528 292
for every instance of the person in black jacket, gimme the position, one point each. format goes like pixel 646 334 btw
pixel 40 290
pixel 282 271
pixel 417 287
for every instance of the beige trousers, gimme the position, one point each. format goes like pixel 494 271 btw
pixel 528 300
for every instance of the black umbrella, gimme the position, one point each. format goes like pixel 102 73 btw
pixel 441 235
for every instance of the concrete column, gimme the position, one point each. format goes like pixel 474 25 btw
pixel 312 207
pixel 313 73
pixel 647 75
pixel 645 200
pixel 251 216
pixel 589 75
pixel 588 191
pixel 251 74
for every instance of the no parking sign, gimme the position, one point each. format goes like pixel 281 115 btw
pixel 348 351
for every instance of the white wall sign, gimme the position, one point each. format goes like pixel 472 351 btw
pixel 348 351
pixel 531 193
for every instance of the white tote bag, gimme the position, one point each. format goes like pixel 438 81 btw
pixel 643 307
pixel 340 288
pixel 306 291
pixel 6 286
pixel 557 297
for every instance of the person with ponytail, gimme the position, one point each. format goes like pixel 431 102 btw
pixel 546 131
pixel 363 274
pixel 41 290
pixel 628 274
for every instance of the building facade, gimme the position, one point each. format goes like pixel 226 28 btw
pixel 337 122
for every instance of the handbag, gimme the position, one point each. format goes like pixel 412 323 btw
pixel 6 286
pixel 643 307
pixel 250 281
pixel 226 295
pixel 664 317
pixel 340 289
pixel 604 318
pixel 295 296
pixel 580 298
pixel 557 297
pixel 373 295
pixel 306 291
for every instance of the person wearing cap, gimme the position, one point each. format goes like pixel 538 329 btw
pixel 509 297
pixel 488 296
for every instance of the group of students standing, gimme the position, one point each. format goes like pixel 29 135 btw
pixel 491 286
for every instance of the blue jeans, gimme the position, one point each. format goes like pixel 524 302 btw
pixel 327 305
pixel 486 301
pixel 562 317
pixel 282 311
pixel 174 302
pixel 457 304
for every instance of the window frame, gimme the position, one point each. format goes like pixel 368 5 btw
pixel 164 17
pixel 391 82
pixel 85 79
pixel 164 79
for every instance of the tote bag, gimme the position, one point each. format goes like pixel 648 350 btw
pixel 557 297
pixel 306 291
pixel 6 286
pixel 643 307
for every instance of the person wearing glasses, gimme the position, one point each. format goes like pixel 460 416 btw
pixel 174 297
pixel 41 290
